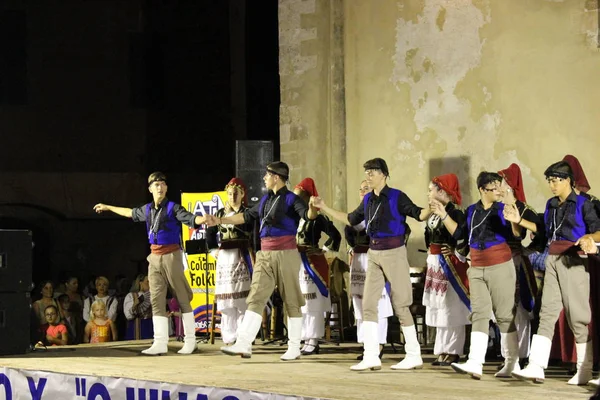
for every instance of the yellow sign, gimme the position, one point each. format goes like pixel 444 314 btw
pixel 199 272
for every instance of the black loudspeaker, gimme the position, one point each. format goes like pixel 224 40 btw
pixel 15 312
pixel 15 260
pixel 251 159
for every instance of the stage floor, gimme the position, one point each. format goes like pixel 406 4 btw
pixel 326 375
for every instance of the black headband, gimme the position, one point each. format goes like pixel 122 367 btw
pixel 159 179
pixel 269 170
pixel 559 174
pixel 377 163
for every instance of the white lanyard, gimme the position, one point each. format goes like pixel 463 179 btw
pixel 556 228
pixel 154 227
pixel 262 223
pixel 371 219
pixel 478 225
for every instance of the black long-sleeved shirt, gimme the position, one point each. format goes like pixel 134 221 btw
pixel 528 214
pixel 356 237
pixel 485 228
pixel 242 231
pixel 379 212
pixel 309 233
pixel 561 220
pixel 277 217
pixel 138 214
pixel 437 233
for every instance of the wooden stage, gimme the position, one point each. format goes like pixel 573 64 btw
pixel 326 375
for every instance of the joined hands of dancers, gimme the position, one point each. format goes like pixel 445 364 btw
pixel 316 201
pixel 439 209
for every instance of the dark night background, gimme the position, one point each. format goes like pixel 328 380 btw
pixel 96 94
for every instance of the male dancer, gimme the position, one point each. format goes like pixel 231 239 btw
pixel 594 251
pixel 165 268
pixel 571 222
pixel 277 264
pixel 384 211
pixel 492 276
pixel 563 342
pixel 358 240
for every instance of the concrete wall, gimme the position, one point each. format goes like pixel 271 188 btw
pixel 438 86
pixel 312 113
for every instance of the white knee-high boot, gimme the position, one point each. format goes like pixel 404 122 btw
pixel 413 359
pixel 538 360
pixel 189 331
pixel 245 335
pixel 359 331
pixel 371 353
pixel 474 364
pixel 585 359
pixel 294 333
pixel 383 330
pixel 510 345
pixel 229 324
pixel 161 337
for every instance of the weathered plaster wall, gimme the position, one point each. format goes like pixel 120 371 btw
pixel 312 113
pixel 438 86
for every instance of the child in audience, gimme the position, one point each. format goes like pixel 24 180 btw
pixel 100 328
pixel 56 333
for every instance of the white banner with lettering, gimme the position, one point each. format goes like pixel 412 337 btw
pixel 18 384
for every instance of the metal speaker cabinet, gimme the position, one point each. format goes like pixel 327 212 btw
pixel 251 159
pixel 16 252
pixel 15 323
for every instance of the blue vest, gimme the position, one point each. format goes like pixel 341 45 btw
pixel 169 231
pixel 498 238
pixel 572 227
pixel 396 226
pixel 288 225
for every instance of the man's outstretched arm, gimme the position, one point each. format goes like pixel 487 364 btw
pixel 335 214
pixel 236 219
pixel 122 211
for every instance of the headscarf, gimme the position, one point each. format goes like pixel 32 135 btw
pixel 581 182
pixel 308 185
pixel 514 179
pixel 449 184
pixel 239 184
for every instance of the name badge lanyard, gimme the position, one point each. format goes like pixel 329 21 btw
pixel 262 222
pixel 478 225
pixel 154 226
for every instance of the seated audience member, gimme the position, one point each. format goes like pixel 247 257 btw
pixel 47 292
pixel 100 328
pixel 101 295
pixel 56 333
pixel 71 289
pixel 138 310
